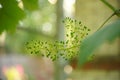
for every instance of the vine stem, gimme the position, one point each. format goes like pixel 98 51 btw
pixel 70 47
pixel 109 5
pixel 106 21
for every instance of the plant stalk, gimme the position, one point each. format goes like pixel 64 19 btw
pixel 109 5
pixel 106 21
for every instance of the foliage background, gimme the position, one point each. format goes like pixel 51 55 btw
pixel 29 22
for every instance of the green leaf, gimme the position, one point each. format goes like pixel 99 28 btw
pixel 30 4
pixel 92 42
pixel 10 14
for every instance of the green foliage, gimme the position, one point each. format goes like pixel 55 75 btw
pixel 75 33
pixel 92 42
pixel 30 4
pixel 11 13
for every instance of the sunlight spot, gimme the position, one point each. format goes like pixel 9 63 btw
pixel 68 7
pixel 52 1
pixel 21 23
pixel 2 38
pixel 68 69
pixel 0 6
pixel 20 4
pixel 18 0
pixel 47 28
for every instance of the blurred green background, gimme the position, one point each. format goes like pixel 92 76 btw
pixel 42 20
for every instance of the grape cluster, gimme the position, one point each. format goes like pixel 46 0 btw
pixel 75 32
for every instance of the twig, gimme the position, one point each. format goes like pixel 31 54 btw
pixel 106 21
pixel 109 5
